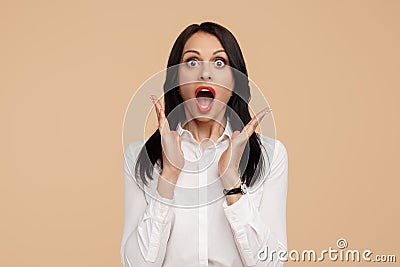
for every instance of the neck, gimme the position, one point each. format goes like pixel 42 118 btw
pixel 203 130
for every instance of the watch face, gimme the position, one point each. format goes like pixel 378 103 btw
pixel 244 188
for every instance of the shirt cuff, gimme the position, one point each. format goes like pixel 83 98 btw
pixel 156 224
pixel 163 199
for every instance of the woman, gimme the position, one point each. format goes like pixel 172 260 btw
pixel 205 137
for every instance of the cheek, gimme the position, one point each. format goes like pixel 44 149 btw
pixel 225 80
pixel 227 84
pixel 187 76
pixel 224 94
pixel 186 91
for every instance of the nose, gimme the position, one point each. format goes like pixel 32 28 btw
pixel 205 74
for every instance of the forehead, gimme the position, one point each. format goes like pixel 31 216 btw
pixel 203 42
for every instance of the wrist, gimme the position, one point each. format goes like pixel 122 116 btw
pixel 230 179
pixel 235 194
pixel 166 184
pixel 170 174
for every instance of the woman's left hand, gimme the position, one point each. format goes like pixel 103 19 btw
pixel 228 165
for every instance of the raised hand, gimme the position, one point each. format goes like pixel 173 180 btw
pixel 228 165
pixel 172 154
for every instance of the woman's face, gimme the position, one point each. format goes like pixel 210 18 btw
pixel 205 78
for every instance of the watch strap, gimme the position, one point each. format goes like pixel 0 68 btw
pixel 242 190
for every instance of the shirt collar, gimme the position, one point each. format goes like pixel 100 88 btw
pixel 227 132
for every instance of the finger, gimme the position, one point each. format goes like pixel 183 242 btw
pixel 255 121
pixel 156 104
pixel 162 120
pixel 179 141
pixel 153 100
pixel 180 144
pixel 235 134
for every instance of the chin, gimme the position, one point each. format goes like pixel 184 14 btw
pixel 192 113
pixel 204 119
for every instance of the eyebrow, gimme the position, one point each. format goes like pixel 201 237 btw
pixel 198 53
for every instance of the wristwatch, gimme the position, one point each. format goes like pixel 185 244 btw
pixel 242 189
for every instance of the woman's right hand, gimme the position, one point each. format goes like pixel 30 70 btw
pixel 172 154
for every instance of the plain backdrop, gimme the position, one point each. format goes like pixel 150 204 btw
pixel 329 69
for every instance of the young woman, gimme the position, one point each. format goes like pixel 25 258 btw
pixel 205 189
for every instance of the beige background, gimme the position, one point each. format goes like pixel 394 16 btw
pixel 330 70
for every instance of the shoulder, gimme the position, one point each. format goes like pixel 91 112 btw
pixel 130 156
pixel 131 153
pixel 275 148
pixel 275 158
pixel 133 148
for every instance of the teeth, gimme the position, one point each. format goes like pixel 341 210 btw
pixel 204 106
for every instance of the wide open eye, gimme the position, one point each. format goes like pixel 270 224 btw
pixel 219 63
pixel 192 62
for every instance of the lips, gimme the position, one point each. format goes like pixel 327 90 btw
pixel 205 96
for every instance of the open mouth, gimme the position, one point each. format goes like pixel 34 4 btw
pixel 205 96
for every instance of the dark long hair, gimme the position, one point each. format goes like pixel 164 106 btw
pixel 250 168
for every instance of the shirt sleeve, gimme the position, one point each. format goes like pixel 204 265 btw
pixel 260 233
pixel 147 223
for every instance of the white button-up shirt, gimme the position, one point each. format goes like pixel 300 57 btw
pixel 197 227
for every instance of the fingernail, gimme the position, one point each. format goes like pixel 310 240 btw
pixel 151 98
